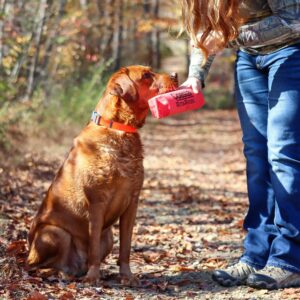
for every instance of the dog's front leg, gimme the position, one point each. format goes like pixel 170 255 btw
pixel 126 228
pixel 96 219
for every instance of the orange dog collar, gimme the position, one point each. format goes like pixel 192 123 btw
pixel 99 120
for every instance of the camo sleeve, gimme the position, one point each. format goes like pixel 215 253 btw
pixel 196 69
pixel 283 25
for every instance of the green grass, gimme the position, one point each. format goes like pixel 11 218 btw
pixel 70 104
pixel 74 103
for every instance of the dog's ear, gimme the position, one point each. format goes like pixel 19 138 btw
pixel 124 87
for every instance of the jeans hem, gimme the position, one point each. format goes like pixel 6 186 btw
pixel 283 266
pixel 250 262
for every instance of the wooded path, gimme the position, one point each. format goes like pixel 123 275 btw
pixel 189 219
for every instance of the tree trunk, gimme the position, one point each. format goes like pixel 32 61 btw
pixel 2 10
pixel 108 29
pixel 155 37
pixel 118 36
pixel 135 45
pixel 37 41
pixel 46 76
pixel 21 4
pixel 147 14
pixel 100 8
pixel 84 4
pixel 18 66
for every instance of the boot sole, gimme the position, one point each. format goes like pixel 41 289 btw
pixel 288 283
pixel 227 282
pixel 263 285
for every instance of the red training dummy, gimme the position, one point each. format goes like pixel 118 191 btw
pixel 175 102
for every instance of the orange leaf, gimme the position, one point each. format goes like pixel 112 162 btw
pixel 16 247
pixel 66 296
pixel 72 285
pixel 36 296
pixel 178 268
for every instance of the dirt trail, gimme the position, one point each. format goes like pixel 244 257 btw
pixel 189 219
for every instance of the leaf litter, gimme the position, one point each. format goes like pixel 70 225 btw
pixel 189 219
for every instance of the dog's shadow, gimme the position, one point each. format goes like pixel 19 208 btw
pixel 153 283
pixel 166 284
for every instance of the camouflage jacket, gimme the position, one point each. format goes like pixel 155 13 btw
pixel 271 25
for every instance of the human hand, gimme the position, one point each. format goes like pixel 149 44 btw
pixel 194 83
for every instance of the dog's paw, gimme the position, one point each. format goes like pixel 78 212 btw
pixel 130 280
pixel 93 276
pixel 95 281
pixel 66 276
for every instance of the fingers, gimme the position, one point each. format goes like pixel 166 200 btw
pixel 196 86
pixel 194 83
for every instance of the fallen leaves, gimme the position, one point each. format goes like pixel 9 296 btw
pixel 213 263
pixel 17 248
pixel 154 257
pixel 36 296
pixel 179 268
pixel 291 293
pixel 189 220
pixel 129 297
pixel 66 296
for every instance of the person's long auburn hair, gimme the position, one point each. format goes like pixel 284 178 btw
pixel 211 17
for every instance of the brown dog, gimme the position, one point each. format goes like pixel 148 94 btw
pixel 99 182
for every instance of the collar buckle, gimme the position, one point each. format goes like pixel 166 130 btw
pixel 96 118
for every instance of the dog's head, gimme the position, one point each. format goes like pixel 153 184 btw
pixel 128 91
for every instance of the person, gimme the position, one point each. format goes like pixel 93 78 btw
pixel 266 34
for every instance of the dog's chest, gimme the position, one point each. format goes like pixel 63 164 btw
pixel 121 158
pixel 129 167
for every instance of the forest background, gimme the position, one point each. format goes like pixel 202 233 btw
pixel 55 59
pixel 56 56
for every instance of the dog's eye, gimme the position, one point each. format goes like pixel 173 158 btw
pixel 147 75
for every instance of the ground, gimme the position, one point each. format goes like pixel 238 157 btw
pixel 189 220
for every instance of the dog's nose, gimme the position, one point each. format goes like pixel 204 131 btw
pixel 174 76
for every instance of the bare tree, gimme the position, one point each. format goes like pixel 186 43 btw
pixel 49 44
pixel 2 10
pixel 37 41
pixel 117 44
pixel 84 4
pixel 99 4
pixel 83 34
pixel 155 37
pixel 151 11
pixel 108 24
pixel 148 38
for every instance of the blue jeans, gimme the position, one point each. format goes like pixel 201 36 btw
pixel 268 101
